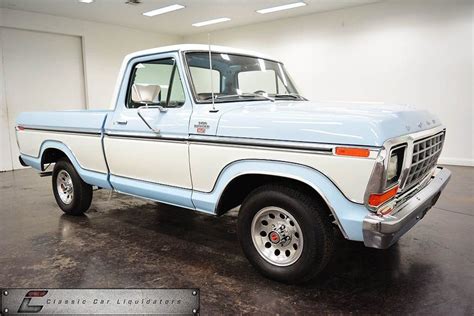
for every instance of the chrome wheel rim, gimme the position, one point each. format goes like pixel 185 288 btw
pixel 277 236
pixel 65 187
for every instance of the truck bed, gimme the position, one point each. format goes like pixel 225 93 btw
pixel 86 120
pixel 78 134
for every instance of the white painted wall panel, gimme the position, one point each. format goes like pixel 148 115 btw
pixel 103 49
pixel 43 71
pixel 413 52
pixel 5 152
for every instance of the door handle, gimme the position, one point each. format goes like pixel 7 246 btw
pixel 121 122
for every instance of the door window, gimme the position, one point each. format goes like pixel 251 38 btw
pixel 165 74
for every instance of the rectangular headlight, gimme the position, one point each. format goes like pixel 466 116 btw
pixel 394 167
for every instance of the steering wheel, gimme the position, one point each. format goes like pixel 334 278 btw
pixel 260 92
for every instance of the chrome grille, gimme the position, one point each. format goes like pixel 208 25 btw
pixel 426 152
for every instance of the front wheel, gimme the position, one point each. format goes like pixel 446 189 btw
pixel 72 194
pixel 286 234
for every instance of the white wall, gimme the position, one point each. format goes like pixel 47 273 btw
pixel 472 77
pixel 416 52
pixel 104 47
pixel 409 52
pixel 40 70
pixel 5 154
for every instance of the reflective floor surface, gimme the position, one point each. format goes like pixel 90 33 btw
pixel 128 242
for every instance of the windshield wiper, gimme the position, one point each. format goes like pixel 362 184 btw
pixel 290 95
pixel 255 95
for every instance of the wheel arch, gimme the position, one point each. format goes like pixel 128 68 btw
pixel 52 155
pixel 240 186
pixel 53 150
pixel 242 176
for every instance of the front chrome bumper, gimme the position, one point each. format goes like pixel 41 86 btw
pixel 383 231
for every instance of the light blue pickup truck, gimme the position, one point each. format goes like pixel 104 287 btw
pixel 213 128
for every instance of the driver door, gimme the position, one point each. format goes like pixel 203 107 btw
pixel 146 148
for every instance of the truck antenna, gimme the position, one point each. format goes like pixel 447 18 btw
pixel 210 73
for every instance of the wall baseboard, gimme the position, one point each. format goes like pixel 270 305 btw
pixel 456 161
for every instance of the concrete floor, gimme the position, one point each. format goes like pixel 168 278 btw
pixel 128 242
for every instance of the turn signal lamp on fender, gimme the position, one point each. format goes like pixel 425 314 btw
pixel 377 199
pixel 352 151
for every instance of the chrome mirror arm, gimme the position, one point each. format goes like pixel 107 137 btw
pixel 146 106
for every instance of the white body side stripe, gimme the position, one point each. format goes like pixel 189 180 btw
pixel 348 173
pixel 86 148
pixel 163 162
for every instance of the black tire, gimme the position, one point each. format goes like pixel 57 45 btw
pixel 311 216
pixel 81 196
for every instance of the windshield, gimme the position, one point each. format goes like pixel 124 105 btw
pixel 238 78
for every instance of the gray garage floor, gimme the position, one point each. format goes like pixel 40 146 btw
pixel 127 242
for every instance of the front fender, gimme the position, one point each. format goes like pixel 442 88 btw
pixel 349 215
pixel 88 176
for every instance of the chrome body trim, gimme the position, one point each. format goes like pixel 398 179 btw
pixel 325 149
pixel 143 135
pixel 314 147
pixel 383 231
pixel 62 129
pixel 378 178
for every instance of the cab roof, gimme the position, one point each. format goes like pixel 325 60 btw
pixel 196 47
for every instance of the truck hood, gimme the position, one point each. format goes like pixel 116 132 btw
pixel 333 123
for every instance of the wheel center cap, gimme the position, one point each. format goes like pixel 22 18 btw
pixel 274 237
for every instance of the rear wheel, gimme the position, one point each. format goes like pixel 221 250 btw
pixel 286 234
pixel 72 194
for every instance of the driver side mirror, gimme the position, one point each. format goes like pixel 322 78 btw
pixel 145 93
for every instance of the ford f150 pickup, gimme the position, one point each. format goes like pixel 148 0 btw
pixel 213 128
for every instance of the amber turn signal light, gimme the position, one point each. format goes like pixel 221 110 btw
pixel 352 151
pixel 378 199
